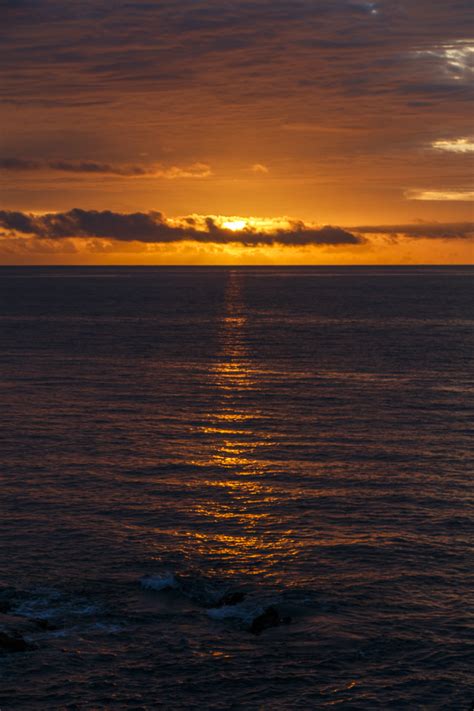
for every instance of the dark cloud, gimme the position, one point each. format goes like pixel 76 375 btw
pixel 421 230
pixel 153 227
pixel 19 164
pixel 56 47
pixel 92 167
pixel 73 167
pixel 196 170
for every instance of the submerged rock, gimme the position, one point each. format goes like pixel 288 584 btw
pixel 270 617
pixel 44 624
pixel 13 629
pixel 12 642
pixel 232 598
pixel 5 606
pixel 7 597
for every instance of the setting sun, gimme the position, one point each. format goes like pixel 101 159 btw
pixel 234 225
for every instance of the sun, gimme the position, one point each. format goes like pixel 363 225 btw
pixel 234 225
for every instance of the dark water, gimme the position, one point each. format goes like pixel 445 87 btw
pixel 300 435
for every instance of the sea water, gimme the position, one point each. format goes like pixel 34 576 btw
pixel 298 435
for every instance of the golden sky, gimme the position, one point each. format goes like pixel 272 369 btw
pixel 308 132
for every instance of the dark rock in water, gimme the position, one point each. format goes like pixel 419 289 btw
pixel 7 596
pixel 44 624
pixel 269 618
pixel 12 643
pixel 233 598
pixel 13 629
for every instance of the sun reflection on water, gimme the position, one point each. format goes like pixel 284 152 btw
pixel 233 373
pixel 232 496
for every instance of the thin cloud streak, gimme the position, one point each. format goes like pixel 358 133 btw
pixel 422 230
pixel 458 145
pixel 465 195
pixel 195 170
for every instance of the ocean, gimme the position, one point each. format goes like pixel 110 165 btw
pixel 184 449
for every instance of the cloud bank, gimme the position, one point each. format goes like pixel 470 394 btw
pixel 153 227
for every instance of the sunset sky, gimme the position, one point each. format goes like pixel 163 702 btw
pixel 296 132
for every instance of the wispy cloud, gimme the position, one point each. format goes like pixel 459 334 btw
pixel 310 127
pixel 420 230
pixel 457 145
pixel 260 168
pixel 195 170
pixel 464 195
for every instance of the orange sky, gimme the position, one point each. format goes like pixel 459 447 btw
pixel 331 112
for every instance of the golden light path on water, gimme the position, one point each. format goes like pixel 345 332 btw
pixel 236 453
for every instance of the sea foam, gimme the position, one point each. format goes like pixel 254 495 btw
pixel 165 581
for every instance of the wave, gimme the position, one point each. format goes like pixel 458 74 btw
pixel 166 581
pixel 223 603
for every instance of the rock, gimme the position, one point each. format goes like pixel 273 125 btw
pixel 13 630
pixel 7 597
pixel 17 625
pixel 13 643
pixel 44 624
pixel 16 629
pixel 233 598
pixel 270 617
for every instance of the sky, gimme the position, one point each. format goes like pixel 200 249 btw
pixel 250 132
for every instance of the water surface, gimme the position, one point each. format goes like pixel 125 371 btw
pixel 298 434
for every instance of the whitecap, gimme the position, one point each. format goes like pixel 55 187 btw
pixel 165 581
pixel 48 603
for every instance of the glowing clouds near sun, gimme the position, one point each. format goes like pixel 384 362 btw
pixel 154 228
pixel 89 236
pixel 458 145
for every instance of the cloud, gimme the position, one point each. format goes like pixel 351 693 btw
pixel 195 170
pixel 462 195
pixel 457 145
pixel 313 85
pixel 421 230
pixel 308 127
pixel 259 168
pixel 153 227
